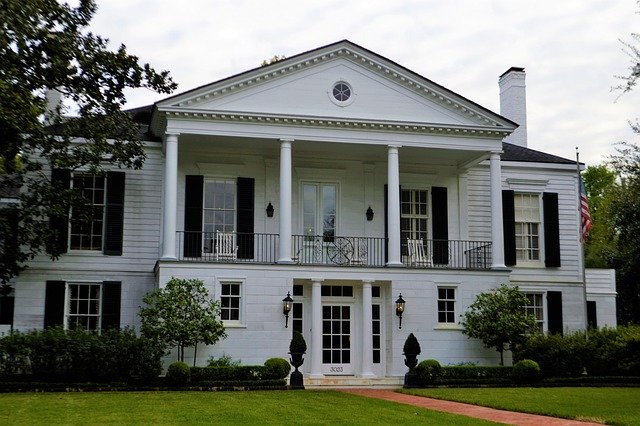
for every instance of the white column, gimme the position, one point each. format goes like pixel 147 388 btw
pixel 285 202
pixel 497 239
pixel 367 336
pixel 393 206
pixel 316 328
pixel 170 196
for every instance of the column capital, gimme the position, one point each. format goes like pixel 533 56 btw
pixel 288 140
pixel 496 154
pixel 368 281
pixel 394 146
pixel 171 135
pixel 317 280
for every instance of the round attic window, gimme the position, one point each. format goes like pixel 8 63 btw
pixel 341 93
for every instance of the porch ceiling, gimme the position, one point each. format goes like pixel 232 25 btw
pixel 330 151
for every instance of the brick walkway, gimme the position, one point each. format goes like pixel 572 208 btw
pixel 501 416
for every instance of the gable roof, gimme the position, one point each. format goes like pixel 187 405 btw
pixel 191 101
pixel 512 152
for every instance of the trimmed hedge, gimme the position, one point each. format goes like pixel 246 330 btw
pixel 228 374
pixel 276 368
pixel 606 352
pixel 178 374
pixel 57 355
pixel 526 371
pixel 474 372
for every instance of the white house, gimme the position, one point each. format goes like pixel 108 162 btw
pixel 345 180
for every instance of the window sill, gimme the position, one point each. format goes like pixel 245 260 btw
pixel 85 253
pixel 444 326
pixel 232 324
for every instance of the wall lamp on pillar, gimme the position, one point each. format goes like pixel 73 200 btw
pixel 270 210
pixel 369 214
pixel 287 304
pixel 400 308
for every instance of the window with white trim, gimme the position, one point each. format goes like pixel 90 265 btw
pixel 87 224
pixel 446 305
pixel 84 306
pixel 414 216
pixel 319 207
pixel 230 301
pixel 535 307
pixel 219 209
pixel 527 224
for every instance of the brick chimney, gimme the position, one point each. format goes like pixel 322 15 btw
pixel 513 103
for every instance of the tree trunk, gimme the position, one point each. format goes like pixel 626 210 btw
pixel 195 351
pixel 501 357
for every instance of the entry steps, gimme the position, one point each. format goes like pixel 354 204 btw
pixel 329 382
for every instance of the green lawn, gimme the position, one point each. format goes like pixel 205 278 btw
pixel 259 407
pixel 619 406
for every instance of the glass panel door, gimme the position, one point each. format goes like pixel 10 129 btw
pixel 336 339
pixel 319 206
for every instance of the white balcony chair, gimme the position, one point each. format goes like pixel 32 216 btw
pixel 417 255
pixel 225 248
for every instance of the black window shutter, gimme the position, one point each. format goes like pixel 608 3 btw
pixel 244 219
pixel 114 214
pixel 592 316
pixel 440 225
pixel 192 244
pixel 54 304
pixel 509 227
pixel 111 291
pixel 7 304
pixel 60 180
pixel 554 314
pixel 386 222
pixel 551 230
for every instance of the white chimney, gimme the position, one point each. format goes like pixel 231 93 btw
pixel 513 103
pixel 53 100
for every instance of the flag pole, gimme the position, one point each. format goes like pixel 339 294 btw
pixel 581 236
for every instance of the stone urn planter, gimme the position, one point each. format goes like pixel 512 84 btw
pixel 297 348
pixel 411 351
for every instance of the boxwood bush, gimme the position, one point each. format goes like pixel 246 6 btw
pixel 79 356
pixel 276 368
pixel 178 374
pixel 526 371
pixel 429 371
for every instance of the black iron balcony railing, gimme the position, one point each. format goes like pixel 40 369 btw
pixel 371 252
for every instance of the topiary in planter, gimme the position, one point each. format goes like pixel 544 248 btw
pixel 276 368
pixel 178 374
pixel 411 350
pixel 428 371
pixel 411 345
pixel 297 345
pixel 526 371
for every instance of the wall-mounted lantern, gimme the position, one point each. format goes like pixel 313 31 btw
pixel 369 214
pixel 400 308
pixel 287 304
pixel 270 210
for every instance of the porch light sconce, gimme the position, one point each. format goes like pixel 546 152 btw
pixel 287 303
pixel 369 214
pixel 270 210
pixel 400 308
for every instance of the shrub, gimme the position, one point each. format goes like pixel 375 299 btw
pixel 223 361
pixel 297 345
pixel 178 374
pixel 429 371
pixel 461 373
pixel 227 374
pixel 411 345
pixel 276 368
pixel 526 371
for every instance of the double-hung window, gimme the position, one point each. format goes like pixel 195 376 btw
pixel 527 227
pixel 446 305
pixel 230 301
pixel 83 306
pixel 87 224
pixel 535 308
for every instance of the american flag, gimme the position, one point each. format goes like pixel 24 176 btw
pixel 585 217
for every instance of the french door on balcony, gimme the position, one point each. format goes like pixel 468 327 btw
pixel 414 217
pixel 219 210
pixel 319 219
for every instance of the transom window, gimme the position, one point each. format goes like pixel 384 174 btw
pixel 446 305
pixel 230 297
pixel 87 224
pixel 219 211
pixel 337 290
pixel 527 224
pixel 534 307
pixel 83 306
pixel 414 216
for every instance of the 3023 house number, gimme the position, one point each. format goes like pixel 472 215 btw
pixel 336 369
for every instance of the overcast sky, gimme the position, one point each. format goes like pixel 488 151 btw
pixel 569 48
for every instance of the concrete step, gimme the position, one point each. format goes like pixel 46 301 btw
pixel 329 382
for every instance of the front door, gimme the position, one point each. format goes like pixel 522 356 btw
pixel 336 339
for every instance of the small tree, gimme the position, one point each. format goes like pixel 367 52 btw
pixel 182 314
pixel 499 319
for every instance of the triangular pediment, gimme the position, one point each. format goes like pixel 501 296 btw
pixel 302 86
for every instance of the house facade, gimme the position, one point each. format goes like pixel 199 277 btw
pixel 345 181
